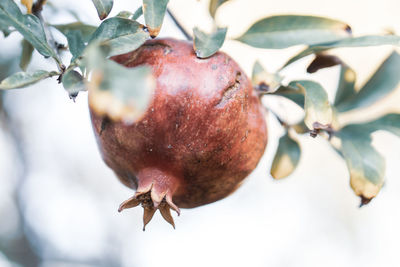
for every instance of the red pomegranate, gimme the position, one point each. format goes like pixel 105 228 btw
pixel 202 134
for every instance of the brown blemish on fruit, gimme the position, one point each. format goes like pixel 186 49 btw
pixel 104 124
pixel 229 91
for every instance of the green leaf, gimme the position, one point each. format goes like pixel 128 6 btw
pixel 73 83
pixel 75 43
pixel 154 12
pixel 384 81
pixel 292 93
pixel 137 14
pixel 130 15
pixel 206 45
pixel 316 105
pixel 24 79
pixel 125 14
pixel 389 122
pixel 286 158
pixel 300 127
pixel 362 41
pixel 122 35
pixel 4 27
pixel 214 5
pixel 121 93
pixel 285 31
pixel 26 56
pixel 263 80
pixel 346 86
pixel 103 7
pixel 365 164
pixel 28 25
pixel 85 29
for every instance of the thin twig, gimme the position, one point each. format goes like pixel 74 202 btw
pixel 38 6
pixel 282 122
pixel 37 11
pixel 179 25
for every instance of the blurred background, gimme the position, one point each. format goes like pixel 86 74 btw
pixel 58 200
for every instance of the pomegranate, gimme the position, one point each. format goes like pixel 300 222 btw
pixel 202 134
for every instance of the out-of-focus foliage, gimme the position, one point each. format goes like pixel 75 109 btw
pixel 122 35
pixel 26 56
pixel 214 5
pixel 206 45
pixel 286 158
pixel 121 93
pixel 384 81
pixel 154 11
pixel 28 25
pixel 284 31
pixel 23 79
pixel 103 7
pixel 362 41
pixel 124 93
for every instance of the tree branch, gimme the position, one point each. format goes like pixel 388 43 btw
pixel 37 11
pixel 38 7
pixel 179 25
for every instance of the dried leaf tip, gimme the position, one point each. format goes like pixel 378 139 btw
pixel 364 201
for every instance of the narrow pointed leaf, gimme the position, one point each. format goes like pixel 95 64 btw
pixel 284 31
pixel 122 35
pixel 24 79
pixel 5 27
pixel 316 105
pixel 154 12
pixel 26 56
pixel 214 5
pixel 85 29
pixel 365 164
pixel 125 14
pixel 103 7
pixel 206 45
pixel 286 158
pixel 291 92
pixel 137 14
pixel 75 43
pixel 346 86
pixel 28 25
pixel 362 41
pixel 121 93
pixel 384 81
pixel 389 122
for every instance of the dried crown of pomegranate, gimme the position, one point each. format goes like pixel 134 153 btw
pixel 203 133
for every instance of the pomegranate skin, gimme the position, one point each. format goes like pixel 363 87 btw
pixel 202 134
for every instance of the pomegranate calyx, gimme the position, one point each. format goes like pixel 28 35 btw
pixel 148 201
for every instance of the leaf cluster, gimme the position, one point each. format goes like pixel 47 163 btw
pixel 124 94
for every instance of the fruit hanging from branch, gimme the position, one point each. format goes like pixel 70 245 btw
pixel 180 122
pixel 202 134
